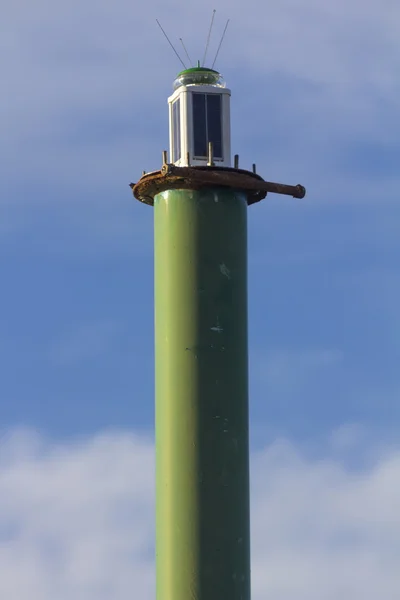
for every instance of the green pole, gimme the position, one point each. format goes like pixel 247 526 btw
pixel 202 445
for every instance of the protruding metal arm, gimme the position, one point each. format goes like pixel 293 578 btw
pixel 296 191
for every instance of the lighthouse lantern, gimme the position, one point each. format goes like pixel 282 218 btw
pixel 199 113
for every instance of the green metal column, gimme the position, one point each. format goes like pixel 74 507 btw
pixel 202 445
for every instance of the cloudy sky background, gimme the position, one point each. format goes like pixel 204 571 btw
pixel 315 100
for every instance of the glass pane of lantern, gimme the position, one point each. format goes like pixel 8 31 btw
pixel 207 124
pixel 176 126
pixel 214 123
pixel 199 125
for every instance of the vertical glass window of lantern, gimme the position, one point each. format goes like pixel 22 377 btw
pixel 176 128
pixel 214 123
pixel 199 125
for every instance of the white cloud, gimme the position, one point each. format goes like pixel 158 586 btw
pixel 76 521
pixel 325 532
pixel 84 109
pixel 95 62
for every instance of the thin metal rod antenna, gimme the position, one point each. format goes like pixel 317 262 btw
pixel 220 44
pixel 209 36
pixel 186 52
pixel 170 43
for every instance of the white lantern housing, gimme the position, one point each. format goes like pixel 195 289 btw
pixel 199 113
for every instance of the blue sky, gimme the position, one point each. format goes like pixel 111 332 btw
pixel 315 92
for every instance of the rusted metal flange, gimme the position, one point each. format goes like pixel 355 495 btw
pixel 194 178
